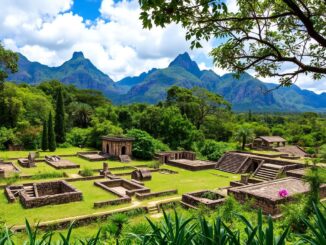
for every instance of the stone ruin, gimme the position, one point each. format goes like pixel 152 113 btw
pixel 105 171
pixel 141 174
pixel 7 168
pixel 28 162
pixel 122 188
pixel 261 166
pixel 207 198
pixel 59 163
pixel 34 195
pixel 92 156
pixel 184 159
pixel 266 195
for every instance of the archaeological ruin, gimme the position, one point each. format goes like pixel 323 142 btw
pixel 117 147
pixel 34 195
pixel 207 198
pixel 267 195
pixel 261 166
pixel 59 163
pixel 141 174
pixel 7 169
pixel 184 159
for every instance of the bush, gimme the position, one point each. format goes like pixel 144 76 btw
pixel 86 172
pixel 213 150
pixel 78 136
pixel 143 146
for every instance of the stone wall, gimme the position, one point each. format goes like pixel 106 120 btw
pixel 268 206
pixel 142 196
pixel 195 199
pixel 115 148
pixel 50 193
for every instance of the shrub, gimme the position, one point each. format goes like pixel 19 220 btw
pixel 143 146
pixel 78 136
pixel 213 150
pixel 86 172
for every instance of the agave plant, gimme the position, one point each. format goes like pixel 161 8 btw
pixel 318 229
pixel 213 235
pixel 92 241
pixel 176 231
pixel 65 239
pixel 33 236
pixel 256 235
pixel 5 237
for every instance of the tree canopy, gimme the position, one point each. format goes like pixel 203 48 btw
pixel 275 38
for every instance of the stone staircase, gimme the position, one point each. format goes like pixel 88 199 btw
pixel 153 209
pixel 268 171
pixel 29 190
pixel 231 162
pixel 124 158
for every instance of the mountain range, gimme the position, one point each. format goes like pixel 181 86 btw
pixel 243 93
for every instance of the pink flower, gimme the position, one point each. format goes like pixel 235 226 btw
pixel 283 192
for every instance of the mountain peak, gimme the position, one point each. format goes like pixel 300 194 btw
pixel 184 61
pixel 77 55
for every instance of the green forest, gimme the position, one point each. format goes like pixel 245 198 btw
pixel 190 119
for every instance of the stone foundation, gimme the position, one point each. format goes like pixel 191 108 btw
pixel 197 198
pixel 266 197
pixel 34 195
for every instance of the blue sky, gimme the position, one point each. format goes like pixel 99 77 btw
pixel 89 9
pixel 108 32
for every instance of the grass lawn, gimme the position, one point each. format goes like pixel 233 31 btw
pixel 59 151
pixel 184 181
pixel 14 213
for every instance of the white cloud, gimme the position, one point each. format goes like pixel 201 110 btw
pixel 47 31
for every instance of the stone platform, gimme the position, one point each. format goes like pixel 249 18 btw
pixel 193 165
pixel 92 156
pixel 34 195
pixel 59 163
pixel 266 194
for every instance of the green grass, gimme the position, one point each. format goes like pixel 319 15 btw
pixel 59 151
pixel 185 181
pixel 14 213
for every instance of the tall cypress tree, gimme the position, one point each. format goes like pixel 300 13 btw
pixel 59 126
pixel 45 139
pixel 51 134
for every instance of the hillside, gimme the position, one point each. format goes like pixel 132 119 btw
pixel 77 71
pixel 244 93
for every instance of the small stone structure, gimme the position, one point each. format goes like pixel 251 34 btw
pixel 7 168
pixel 115 147
pixel 262 166
pixel 34 195
pixel 207 198
pixel 297 173
pixel 141 174
pixel 105 171
pixel 266 194
pixel 268 142
pixel 122 188
pixel 92 156
pixel 184 159
pixel 59 163
pixel 28 162
pixel 293 151
pixel 165 157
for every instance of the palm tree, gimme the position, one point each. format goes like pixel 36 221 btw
pixel 81 114
pixel 244 134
